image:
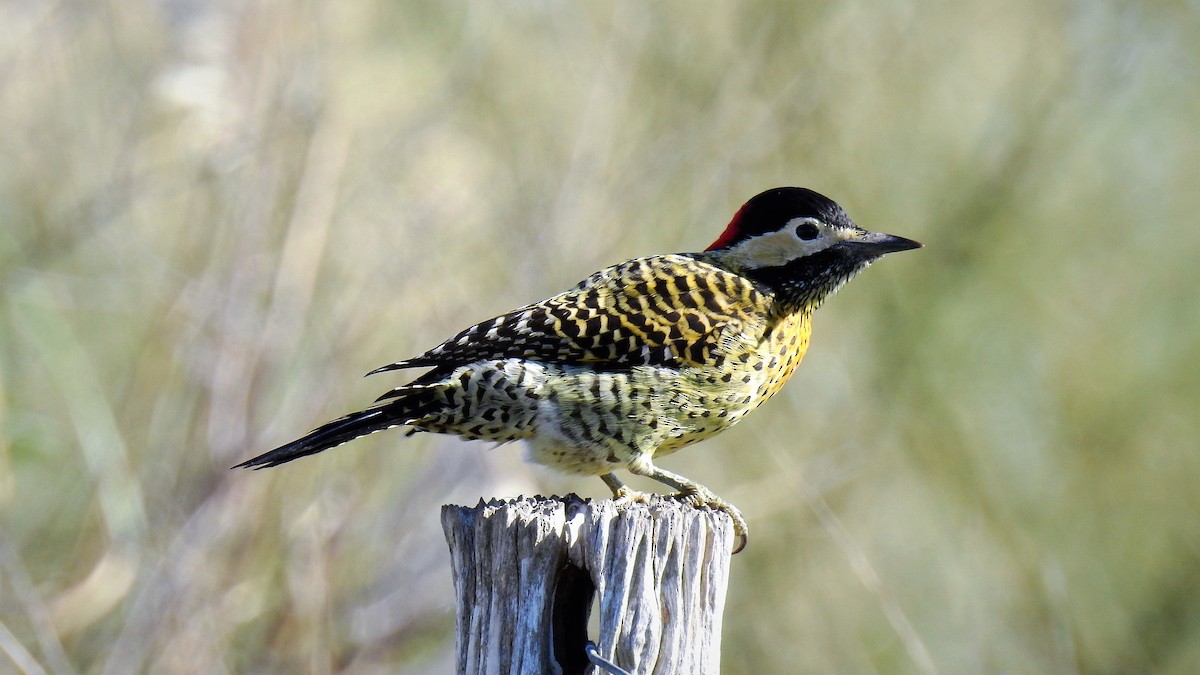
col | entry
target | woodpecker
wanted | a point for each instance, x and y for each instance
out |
(638, 360)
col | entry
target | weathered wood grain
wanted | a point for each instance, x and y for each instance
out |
(525, 572)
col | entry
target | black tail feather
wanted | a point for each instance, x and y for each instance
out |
(329, 435)
(399, 365)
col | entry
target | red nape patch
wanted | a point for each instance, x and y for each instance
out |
(732, 230)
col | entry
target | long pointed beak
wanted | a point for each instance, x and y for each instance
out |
(879, 243)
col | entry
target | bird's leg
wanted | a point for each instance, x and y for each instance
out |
(622, 493)
(692, 493)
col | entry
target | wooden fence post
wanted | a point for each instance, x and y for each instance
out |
(526, 570)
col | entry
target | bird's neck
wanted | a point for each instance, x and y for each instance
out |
(798, 287)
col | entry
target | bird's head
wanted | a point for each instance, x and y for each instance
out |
(800, 244)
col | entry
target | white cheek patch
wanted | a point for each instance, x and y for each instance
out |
(783, 246)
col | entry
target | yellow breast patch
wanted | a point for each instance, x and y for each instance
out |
(782, 351)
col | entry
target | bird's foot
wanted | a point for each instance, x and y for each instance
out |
(627, 495)
(701, 497)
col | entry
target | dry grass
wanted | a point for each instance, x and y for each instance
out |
(216, 215)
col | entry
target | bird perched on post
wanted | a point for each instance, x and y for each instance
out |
(639, 359)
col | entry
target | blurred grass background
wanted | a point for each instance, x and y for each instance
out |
(216, 215)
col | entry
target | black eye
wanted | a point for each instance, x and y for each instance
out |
(807, 230)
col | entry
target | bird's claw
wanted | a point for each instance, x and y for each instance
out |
(696, 497)
(742, 539)
(700, 497)
(627, 495)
